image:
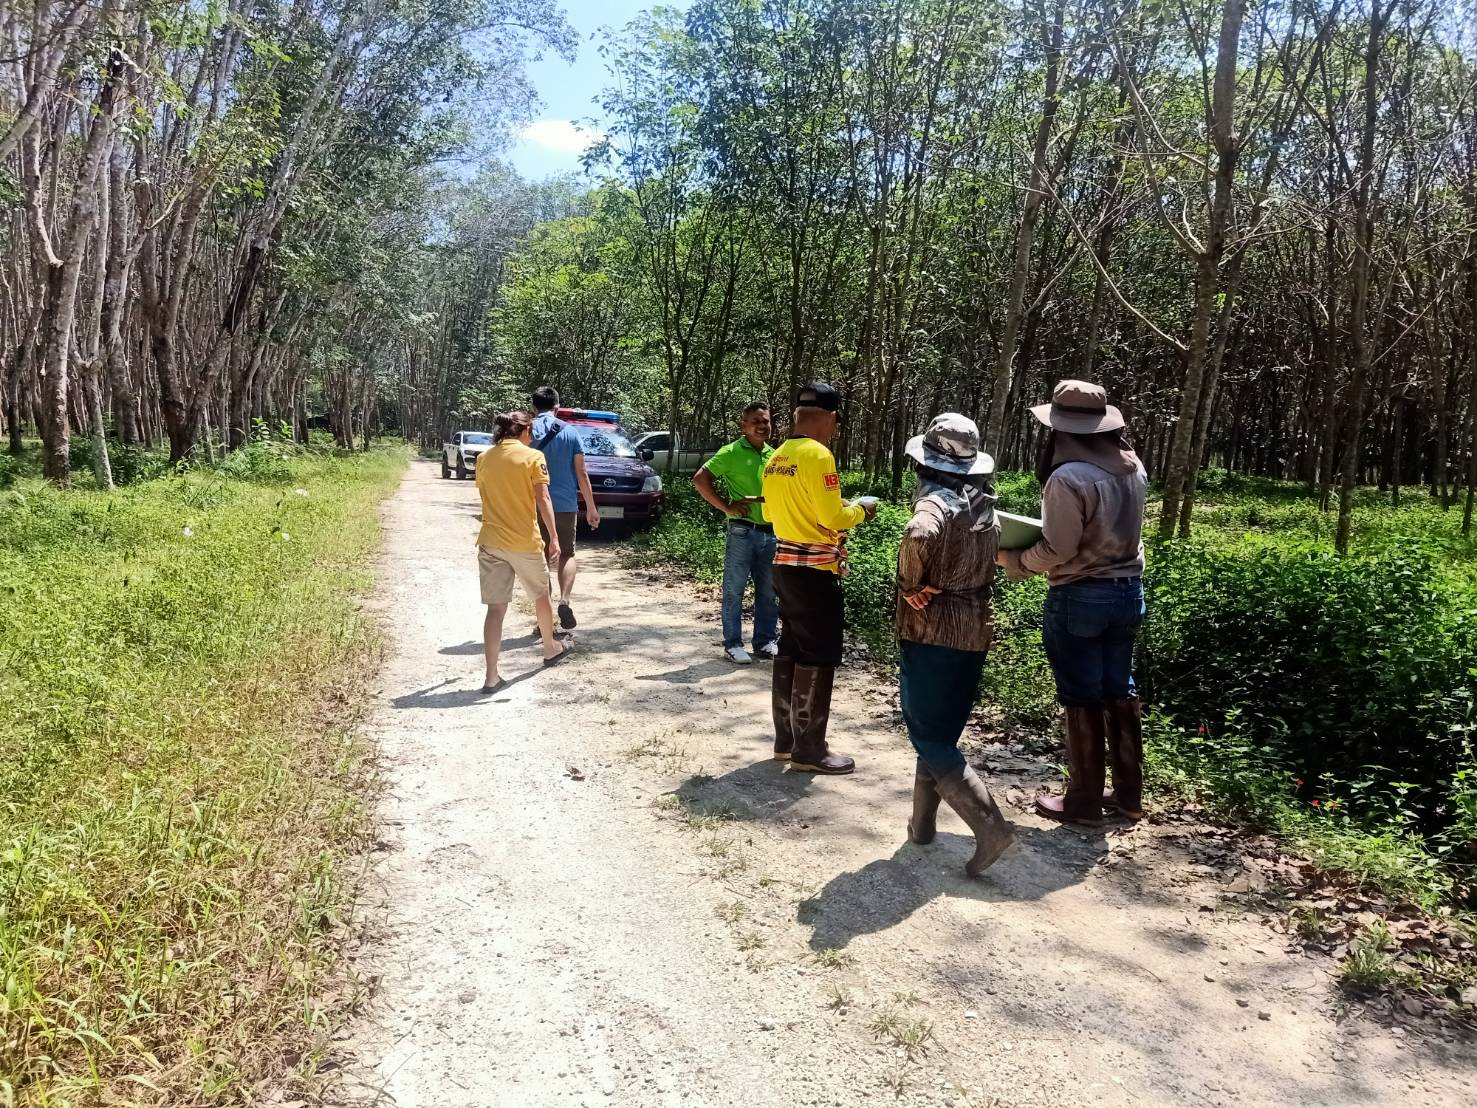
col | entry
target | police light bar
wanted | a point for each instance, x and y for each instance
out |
(590, 414)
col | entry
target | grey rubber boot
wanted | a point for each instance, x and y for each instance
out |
(924, 824)
(967, 795)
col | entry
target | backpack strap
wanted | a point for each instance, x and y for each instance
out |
(555, 427)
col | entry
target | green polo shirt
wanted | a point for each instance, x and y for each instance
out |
(739, 470)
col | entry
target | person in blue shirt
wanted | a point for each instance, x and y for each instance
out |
(564, 453)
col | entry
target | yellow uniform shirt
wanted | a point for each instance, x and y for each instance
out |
(508, 476)
(802, 495)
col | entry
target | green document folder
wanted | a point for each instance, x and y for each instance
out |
(1017, 532)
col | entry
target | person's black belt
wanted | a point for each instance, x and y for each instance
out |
(767, 527)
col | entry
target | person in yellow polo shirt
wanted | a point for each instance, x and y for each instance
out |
(802, 499)
(513, 481)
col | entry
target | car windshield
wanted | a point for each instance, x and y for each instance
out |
(476, 438)
(605, 442)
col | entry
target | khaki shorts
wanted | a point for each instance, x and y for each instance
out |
(565, 525)
(497, 569)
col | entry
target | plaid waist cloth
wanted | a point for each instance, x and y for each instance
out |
(812, 554)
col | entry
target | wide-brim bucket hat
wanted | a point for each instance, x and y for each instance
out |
(1079, 408)
(951, 444)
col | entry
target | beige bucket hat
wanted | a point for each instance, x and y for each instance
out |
(1079, 408)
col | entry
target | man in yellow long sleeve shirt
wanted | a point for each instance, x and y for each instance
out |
(802, 499)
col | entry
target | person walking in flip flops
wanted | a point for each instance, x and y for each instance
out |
(513, 482)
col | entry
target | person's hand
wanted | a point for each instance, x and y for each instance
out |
(551, 552)
(739, 509)
(1002, 559)
(920, 599)
(592, 517)
(869, 506)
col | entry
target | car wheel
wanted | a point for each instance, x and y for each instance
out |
(445, 469)
(461, 470)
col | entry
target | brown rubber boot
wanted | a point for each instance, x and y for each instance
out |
(1086, 751)
(1124, 727)
(924, 824)
(810, 712)
(779, 699)
(967, 795)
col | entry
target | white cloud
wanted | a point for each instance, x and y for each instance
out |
(563, 136)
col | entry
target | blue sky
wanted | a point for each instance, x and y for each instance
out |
(551, 144)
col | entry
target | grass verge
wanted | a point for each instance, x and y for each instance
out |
(180, 775)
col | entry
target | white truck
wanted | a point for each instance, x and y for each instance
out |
(459, 456)
(655, 445)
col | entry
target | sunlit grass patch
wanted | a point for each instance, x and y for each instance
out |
(181, 668)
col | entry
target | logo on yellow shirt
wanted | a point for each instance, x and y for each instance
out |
(833, 481)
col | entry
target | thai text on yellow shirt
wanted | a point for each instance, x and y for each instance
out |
(802, 495)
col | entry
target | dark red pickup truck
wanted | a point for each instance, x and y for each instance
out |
(626, 488)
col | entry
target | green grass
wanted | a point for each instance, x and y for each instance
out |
(180, 776)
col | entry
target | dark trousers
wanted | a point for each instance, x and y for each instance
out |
(812, 615)
(1088, 629)
(939, 686)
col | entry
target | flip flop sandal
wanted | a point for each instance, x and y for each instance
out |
(557, 658)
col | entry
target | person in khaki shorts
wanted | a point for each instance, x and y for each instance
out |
(513, 482)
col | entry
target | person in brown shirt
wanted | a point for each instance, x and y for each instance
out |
(946, 568)
(1092, 553)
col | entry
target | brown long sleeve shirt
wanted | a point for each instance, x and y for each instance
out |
(959, 562)
(1091, 526)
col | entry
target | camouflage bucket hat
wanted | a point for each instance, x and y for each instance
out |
(952, 445)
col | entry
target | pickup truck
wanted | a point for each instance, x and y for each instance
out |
(660, 443)
(459, 456)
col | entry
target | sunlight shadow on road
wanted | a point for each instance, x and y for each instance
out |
(465, 649)
(690, 675)
(762, 790)
(887, 891)
(457, 698)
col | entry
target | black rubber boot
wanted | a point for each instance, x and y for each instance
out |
(924, 824)
(810, 713)
(967, 795)
(779, 698)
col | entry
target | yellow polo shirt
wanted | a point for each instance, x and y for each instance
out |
(508, 477)
(802, 495)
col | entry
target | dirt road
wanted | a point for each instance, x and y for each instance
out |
(597, 888)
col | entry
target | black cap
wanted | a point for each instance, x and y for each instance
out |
(818, 394)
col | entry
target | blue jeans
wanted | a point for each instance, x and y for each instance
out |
(1088, 630)
(749, 554)
(939, 686)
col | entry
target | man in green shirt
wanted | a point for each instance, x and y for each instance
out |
(732, 480)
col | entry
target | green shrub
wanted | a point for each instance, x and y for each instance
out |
(264, 460)
(1339, 670)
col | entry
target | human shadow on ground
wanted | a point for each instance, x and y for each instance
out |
(464, 649)
(690, 675)
(761, 790)
(886, 891)
(439, 696)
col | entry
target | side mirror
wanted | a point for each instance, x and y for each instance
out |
(647, 454)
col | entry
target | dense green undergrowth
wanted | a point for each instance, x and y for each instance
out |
(178, 770)
(1327, 699)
